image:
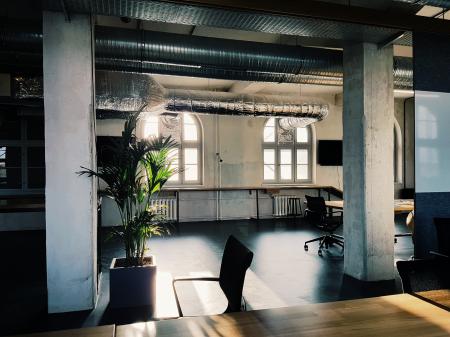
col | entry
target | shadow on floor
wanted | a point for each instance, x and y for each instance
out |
(282, 273)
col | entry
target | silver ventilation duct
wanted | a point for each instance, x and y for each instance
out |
(290, 123)
(250, 20)
(175, 54)
(121, 92)
(127, 92)
(434, 3)
(196, 51)
(224, 103)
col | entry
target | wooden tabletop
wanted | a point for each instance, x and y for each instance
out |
(395, 316)
(437, 297)
(400, 205)
(98, 331)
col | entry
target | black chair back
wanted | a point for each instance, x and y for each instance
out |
(316, 204)
(424, 275)
(316, 210)
(443, 235)
(236, 260)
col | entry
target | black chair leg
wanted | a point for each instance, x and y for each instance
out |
(313, 240)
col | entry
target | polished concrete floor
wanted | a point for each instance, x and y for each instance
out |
(281, 274)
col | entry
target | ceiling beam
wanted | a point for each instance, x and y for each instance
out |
(331, 11)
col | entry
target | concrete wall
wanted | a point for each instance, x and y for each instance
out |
(70, 200)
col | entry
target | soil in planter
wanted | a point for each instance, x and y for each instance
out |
(123, 263)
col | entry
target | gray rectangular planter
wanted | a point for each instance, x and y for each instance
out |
(132, 286)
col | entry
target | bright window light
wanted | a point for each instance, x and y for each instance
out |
(269, 131)
(151, 127)
(174, 163)
(269, 164)
(191, 164)
(302, 135)
(190, 128)
(285, 164)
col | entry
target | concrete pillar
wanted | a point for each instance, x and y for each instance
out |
(368, 123)
(71, 201)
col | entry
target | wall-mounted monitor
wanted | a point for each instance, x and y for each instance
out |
(329, 153)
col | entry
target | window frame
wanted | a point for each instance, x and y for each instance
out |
(293, 147)
(24, 144)
(186, 144)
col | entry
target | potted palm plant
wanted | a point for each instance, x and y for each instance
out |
(136, 174)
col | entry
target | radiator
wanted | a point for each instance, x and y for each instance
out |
(166, 207)
(285, 205)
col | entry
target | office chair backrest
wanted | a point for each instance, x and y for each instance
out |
(443, 235)
(315, 210)
(423, 275)
(236, 260)
(316, 204)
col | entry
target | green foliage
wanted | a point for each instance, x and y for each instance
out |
(136, 174)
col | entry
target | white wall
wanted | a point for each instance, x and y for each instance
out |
(239, 142)
(432, 142)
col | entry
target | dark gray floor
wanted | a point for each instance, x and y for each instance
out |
(282, 273)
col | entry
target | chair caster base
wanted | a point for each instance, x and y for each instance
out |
(305, 247)
(320, 253)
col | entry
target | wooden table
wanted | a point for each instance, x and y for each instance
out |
(400, 205)
(440, 298)
(394, 316)
(98, 331)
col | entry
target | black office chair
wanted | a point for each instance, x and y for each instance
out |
(236, 260)
(424, 275)
(318, 215)
(443, 237)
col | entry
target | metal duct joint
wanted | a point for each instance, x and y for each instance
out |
(127, 92)
(434, 3)
(290, 123)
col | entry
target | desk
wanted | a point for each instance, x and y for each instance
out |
(397, 315)
(98, 331)
(166, 306)
(437, 297)
(400, 205)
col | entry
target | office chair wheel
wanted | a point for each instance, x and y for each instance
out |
(320, 253)
(305, 247)
(395, 240)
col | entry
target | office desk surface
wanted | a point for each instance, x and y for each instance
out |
(437, 297)
(98, 331)
(395, 316)
(400, 205)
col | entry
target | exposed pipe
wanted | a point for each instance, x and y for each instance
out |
(434, 3)
(175, 54)
(129, 92)
(196, 51)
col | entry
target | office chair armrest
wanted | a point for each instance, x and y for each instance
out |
(330, 213)
(439, 255)
(188, 278)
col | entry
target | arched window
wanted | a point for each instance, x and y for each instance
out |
(185, 129)
(287, 154)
